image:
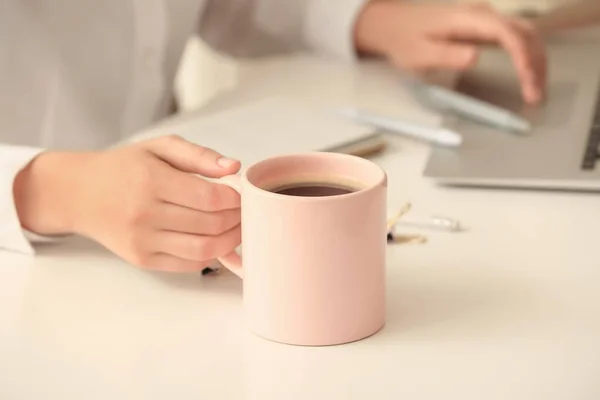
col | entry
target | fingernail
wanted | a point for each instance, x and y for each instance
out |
(226, 162)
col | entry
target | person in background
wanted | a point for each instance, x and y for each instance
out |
(78, 76)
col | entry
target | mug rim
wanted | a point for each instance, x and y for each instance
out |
(381, 180)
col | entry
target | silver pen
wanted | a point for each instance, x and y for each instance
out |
(470, 107)
(438, 136)
(435, 222)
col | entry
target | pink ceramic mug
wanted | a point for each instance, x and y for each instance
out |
(313, 267)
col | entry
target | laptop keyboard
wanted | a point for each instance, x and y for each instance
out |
(592, 151)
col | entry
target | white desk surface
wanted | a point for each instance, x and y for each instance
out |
(508, 310)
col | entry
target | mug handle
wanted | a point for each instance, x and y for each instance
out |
(232, 261)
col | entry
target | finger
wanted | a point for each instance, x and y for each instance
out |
(516, 45)
(190, 157)
(197, 247)
(169, 263)
(186, 220)
(194, 192)
(520, 50)
(491, 26)
(538, 49)
(443, 55)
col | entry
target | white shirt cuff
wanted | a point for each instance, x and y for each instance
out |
(12, 236)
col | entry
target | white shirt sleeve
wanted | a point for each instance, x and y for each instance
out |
(329, 27)
(12, 236)
(250, 28)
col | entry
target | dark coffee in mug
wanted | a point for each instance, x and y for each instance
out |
(314, 189)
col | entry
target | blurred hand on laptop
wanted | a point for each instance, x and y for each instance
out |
(424, 37)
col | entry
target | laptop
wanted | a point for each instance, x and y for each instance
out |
(561, 152)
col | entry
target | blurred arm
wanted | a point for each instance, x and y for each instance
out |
(250, 28)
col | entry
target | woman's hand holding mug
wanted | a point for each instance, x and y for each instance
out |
(313, 226)
(141, 201)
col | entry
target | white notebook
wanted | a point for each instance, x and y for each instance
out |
(267, 128)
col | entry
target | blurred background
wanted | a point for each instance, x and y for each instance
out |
(203, 73)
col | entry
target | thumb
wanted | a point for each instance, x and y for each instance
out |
(446, 55)
(189, 157)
